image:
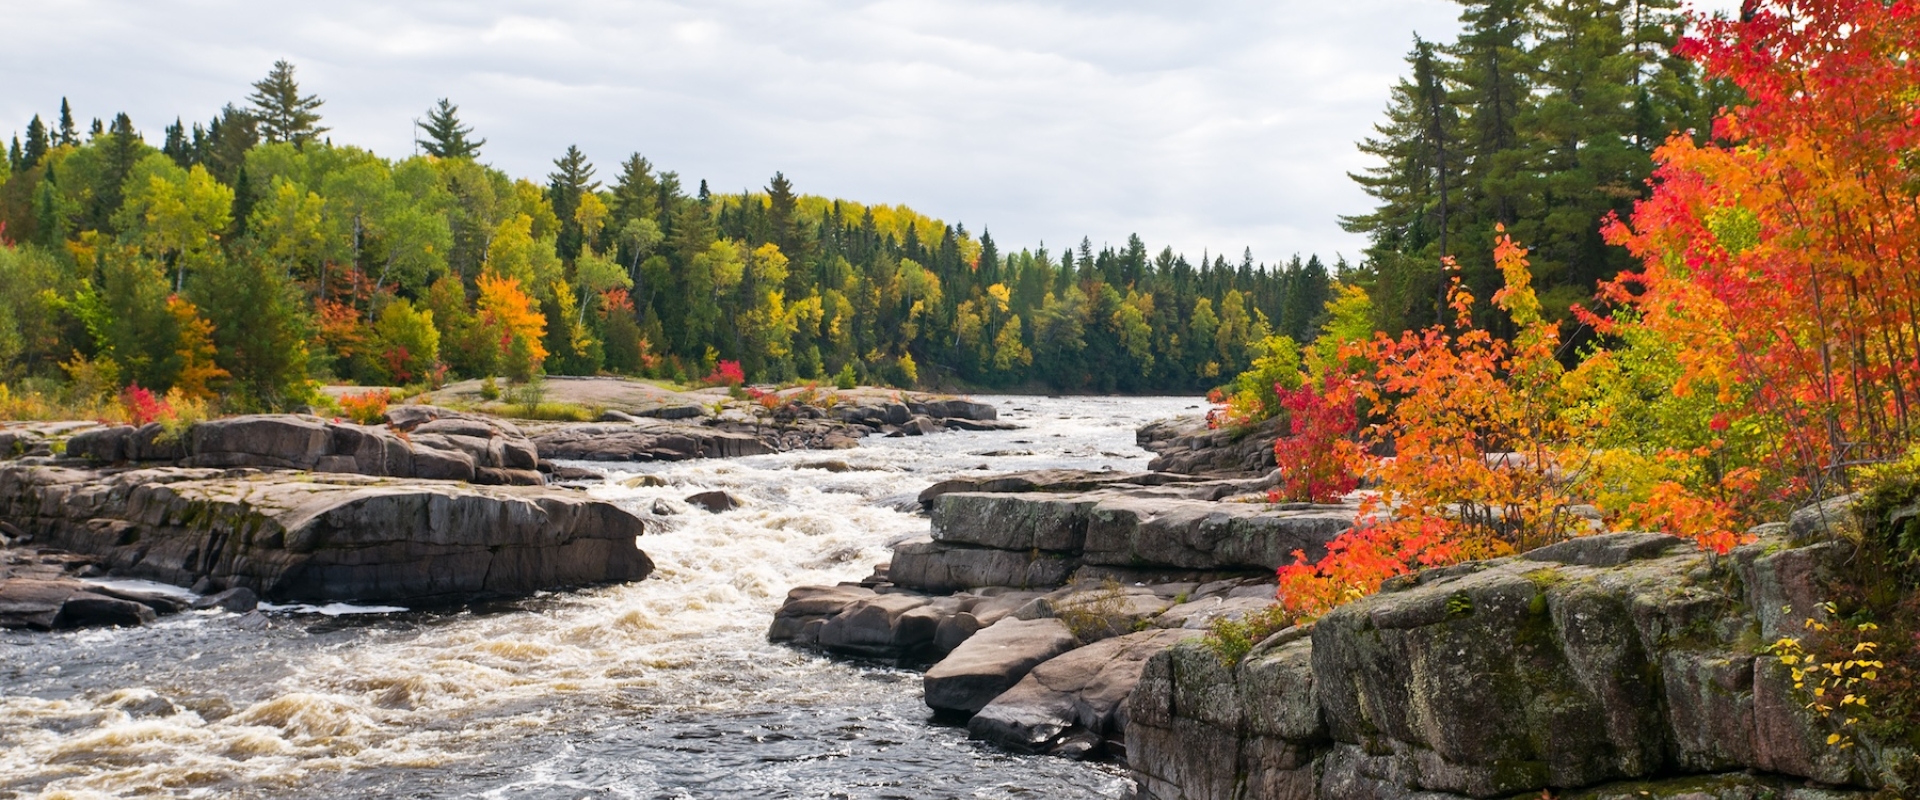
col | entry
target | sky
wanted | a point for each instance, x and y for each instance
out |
(1204, 125)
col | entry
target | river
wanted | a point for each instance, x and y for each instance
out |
(665, 688)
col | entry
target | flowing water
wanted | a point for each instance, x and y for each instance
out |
(665, 688)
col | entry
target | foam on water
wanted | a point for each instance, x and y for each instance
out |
(661, 688)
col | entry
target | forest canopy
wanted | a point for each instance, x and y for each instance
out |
(251, 255)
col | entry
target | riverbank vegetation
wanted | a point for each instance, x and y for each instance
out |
(1759, 353)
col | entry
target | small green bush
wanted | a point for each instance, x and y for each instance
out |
(1232, 639)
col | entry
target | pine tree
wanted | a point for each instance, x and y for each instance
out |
(37, 144)
(15, 158)
(284, 115)
(67, 135)
(446, 137)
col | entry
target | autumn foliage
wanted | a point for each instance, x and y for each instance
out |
(1782, 261)
(1768, 343)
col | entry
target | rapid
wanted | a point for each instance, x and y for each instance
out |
(664, 688)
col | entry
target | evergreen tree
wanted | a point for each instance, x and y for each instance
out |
(229, 136)
(636, 194)
(120, 149)
(283, 114)
(37, 144)
(176, 146)
(572, 178)
(67, 135)
(446, 137)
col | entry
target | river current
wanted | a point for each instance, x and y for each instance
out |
(664, 688)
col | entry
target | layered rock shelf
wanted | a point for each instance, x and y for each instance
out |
(1133, 531)
(319, 537)
(1039, 597)
(1615, 666)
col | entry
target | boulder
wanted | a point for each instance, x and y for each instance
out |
(993, 661)
(883, 626)
(959, 409)
(1081, 691)
(714, 501)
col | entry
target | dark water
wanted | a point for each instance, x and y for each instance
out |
(664, 688)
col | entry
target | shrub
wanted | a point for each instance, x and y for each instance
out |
(367, 408)
(725, 373)
(141, 407)
(846, 379)
(1232, 639)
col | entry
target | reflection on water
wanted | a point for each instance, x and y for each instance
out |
(659, 689)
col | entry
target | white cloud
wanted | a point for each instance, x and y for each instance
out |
(1208, 124)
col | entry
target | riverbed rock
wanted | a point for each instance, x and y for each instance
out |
(1081, 691)
(1621, 661)
(714, 501)
(1186, 445)
(238, 600)
(421, 442)
(896, 626)
(929, 566)
(311, 537)
(647, 440)
(993, 661)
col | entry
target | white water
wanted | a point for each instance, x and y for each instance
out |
(661, 688)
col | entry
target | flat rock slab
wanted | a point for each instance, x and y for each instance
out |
(1081, 691)
(643, 440)
(308, 537)
(993, 661)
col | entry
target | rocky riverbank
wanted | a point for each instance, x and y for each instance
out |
(1038, 597)
(1621, 665)
(1062, 613)
(432, 507)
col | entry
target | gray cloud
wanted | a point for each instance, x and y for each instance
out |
(1208, 124)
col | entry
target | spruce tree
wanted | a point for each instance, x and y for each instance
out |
(120, 149)
(284, 115)
(636, 194)
(572, 178)
(229, 136)
(446, 137)
(176, 146)
(15, 158)
(37, 144)
(67, 134)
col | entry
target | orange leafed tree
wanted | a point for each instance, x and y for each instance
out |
(508, 313)
(1482, 452)
(196, 351)
(1782, 260)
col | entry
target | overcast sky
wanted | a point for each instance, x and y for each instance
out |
(1201, 124)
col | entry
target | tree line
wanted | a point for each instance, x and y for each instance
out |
(250, 256)
(1542, 116)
